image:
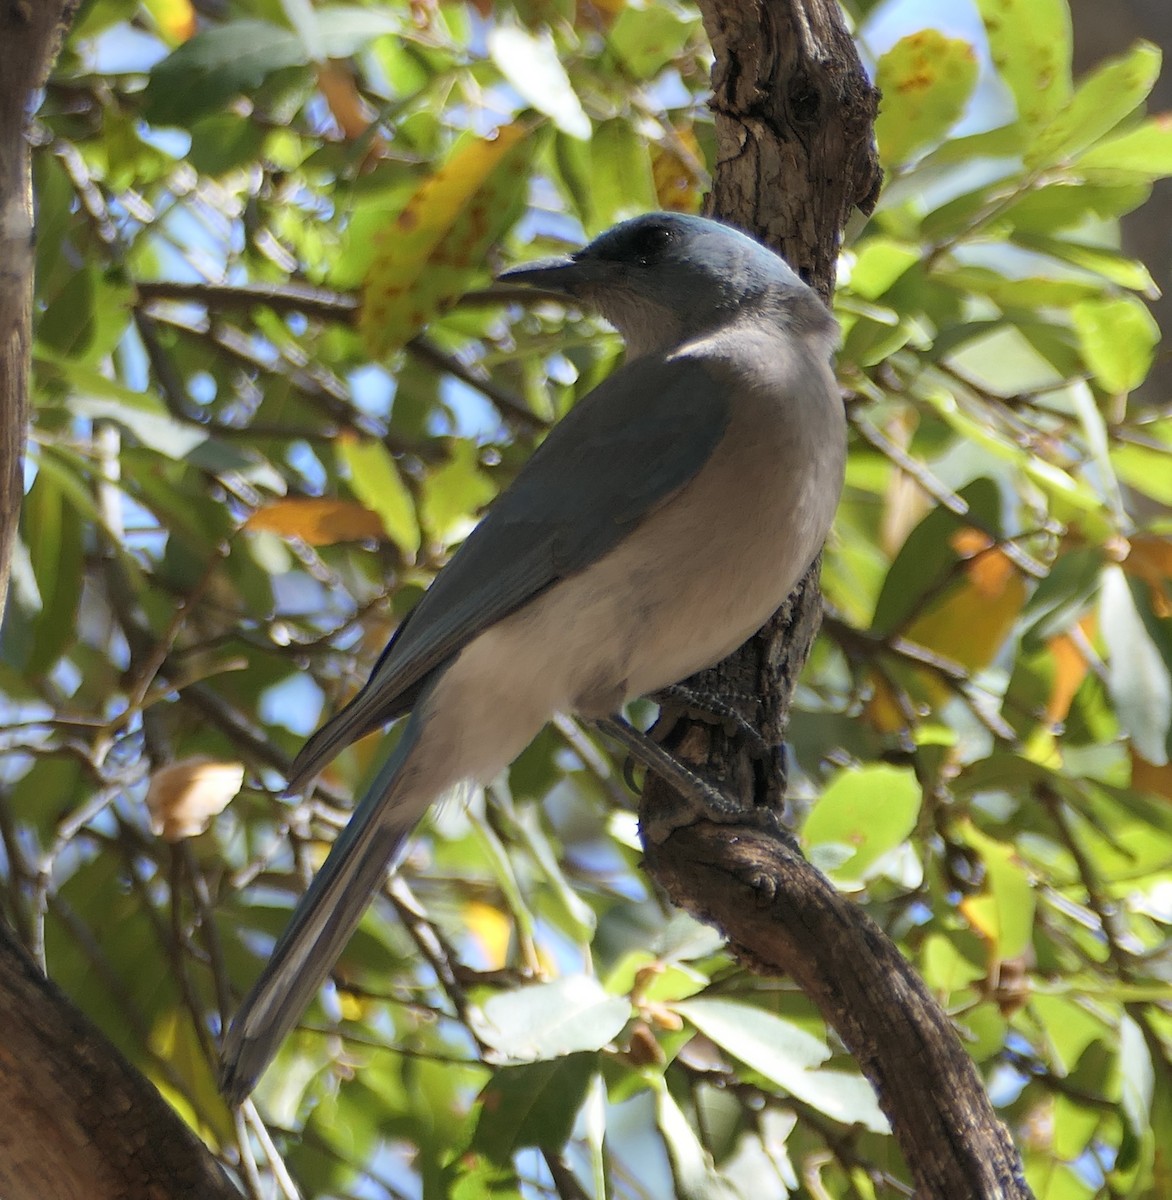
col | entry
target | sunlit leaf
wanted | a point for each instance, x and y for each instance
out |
(786, 1055)
(550, 1020)
(648, 37)
(1102, 100)
(692, 1168)
(926, 79)
(1145, 151)
(1004, 914)
(376, 481)
(868, 812)
(530, 63)
(1118, 338)
(1030, 42)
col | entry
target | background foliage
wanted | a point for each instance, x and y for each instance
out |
(239, 480)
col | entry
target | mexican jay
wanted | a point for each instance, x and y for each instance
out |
(659, 525)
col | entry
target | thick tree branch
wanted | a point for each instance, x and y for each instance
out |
(84, 1123)
(794, 120)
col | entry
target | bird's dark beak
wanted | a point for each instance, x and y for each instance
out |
(565, 276)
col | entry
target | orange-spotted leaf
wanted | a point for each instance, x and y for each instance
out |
(424, 259)
(926, 79)
(318, 522)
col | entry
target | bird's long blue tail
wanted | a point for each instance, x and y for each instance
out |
(322, 923)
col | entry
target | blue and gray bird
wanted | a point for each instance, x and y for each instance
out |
(658, 526)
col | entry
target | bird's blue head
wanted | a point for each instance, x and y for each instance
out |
(665, 277)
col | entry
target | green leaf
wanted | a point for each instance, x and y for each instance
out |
(217, 65)
(340, 30)
(1126, 272)
(1145, 469)
(156, 430)
(787, 1056)
(1112, 91)
(531, 65)
(1118, 337)
(1030, 42)
(879, 262)
(53, 535)
(649, 37)
(945, 968)
(865, 813)
(1145, 151)
(67, 324)
(454, 493)
(550, 1020)
(375, 480)
(621, 182)
(926, 79)
(1137, 676)
(532, 1105)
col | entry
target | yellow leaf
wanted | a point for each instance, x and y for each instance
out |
(1004, 912)
(174, 19)
(1070, 669)
(318, 522)
(424, 258)
(970, 623)
(1145, 777)
(1150, 559)
(492, 931)
(184, 797)
(676, 170)
(353, 115)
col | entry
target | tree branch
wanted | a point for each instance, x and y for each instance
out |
(795, 157)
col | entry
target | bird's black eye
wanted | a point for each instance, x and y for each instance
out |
(650, 243)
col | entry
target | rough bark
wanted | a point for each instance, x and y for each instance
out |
(78, 1120)
(794, 117)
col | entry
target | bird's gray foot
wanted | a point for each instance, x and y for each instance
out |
(710, 706)
(701, 798)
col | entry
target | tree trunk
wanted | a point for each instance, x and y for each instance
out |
(78, 1120)
(794, 120)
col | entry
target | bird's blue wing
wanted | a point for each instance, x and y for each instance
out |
(619, 453)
